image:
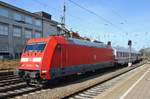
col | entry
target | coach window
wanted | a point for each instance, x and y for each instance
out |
(118, 54)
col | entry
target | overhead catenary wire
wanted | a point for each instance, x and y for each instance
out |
(116, 13)
(89, 11)
(44, 5)
(97, 15)
(108, 22)
(56, 9)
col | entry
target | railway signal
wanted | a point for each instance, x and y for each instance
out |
(130, 44)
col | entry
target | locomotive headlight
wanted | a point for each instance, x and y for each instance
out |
(44, 71)
(24, 59)
(37, 59)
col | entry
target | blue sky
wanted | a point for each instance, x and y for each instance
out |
(130, 18)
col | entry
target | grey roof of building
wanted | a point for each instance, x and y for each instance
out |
(18, 9)
(25, 11)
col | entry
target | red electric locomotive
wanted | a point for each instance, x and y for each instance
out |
(48, 58)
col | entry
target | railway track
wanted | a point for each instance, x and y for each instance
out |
(18, 91)
(81, 89)
(5, 72)
(11, 85)
(92, 91)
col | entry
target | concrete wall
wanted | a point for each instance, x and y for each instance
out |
(12, 45)
(49, 29)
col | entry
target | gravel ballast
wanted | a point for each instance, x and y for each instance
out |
(63, 91)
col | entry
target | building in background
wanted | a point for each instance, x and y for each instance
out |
(18, 25)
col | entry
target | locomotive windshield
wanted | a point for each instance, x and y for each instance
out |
(36, 47)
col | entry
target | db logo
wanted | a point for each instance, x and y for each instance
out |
(94, 57)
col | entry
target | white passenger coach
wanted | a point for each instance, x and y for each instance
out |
(122, 55)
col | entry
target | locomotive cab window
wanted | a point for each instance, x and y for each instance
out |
(35, 47)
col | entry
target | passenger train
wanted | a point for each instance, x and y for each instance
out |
(44, 59)
(122, 55)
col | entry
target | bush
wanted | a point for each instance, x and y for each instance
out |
(9, 64)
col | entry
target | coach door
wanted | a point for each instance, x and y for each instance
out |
(63, 60)
(63, 56)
